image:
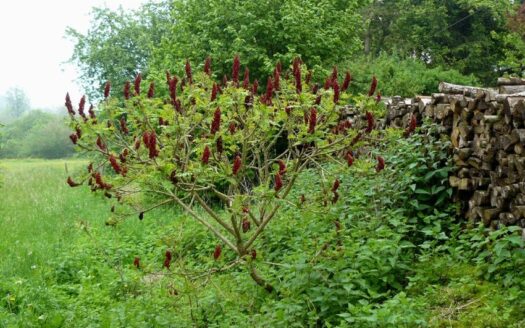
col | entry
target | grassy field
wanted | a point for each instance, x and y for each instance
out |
(61, 265)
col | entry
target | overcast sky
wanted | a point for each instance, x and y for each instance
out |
(33, 47)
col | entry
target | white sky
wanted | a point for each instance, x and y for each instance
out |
(33, 48)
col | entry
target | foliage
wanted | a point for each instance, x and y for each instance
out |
(36, 134)
(242, 148)
(118, 44)
(405, 77)
(464, 35)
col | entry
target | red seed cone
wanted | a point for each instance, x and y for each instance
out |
(114, 164)
(100, 144)
(72, 183)
(349, 159)
(335, 85)
(69, 105)
(236, 165)
(136, 262)
(216, 123)
(335, 186)
(107, 89)
(136, 84)
(123, 125)
(151, 90)
(235, 69)
(81, 105)
(245, 225)
(214, 91)
(282, 167)
(206, 155)
(217, 252)
(370, 122)
(127, 87)
(187, 68)
(219, 145)
(346, 82)
(411, 126)
(246, 80)
(74, 138)
(373, 86)
(278, 182)
(207, 66)
(167, 259)
(380, 163)
(312, 120)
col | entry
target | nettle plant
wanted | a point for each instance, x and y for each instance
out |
(227, 155)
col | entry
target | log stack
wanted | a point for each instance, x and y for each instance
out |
(487, 132)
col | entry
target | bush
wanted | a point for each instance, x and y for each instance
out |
(400, 76)
(36, 134)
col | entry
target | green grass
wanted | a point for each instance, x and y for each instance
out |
(40, 213)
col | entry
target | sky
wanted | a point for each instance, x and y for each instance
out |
(34, 48)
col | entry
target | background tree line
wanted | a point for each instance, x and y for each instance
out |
(409, 44)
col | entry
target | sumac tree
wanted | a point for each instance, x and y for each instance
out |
(222, 152)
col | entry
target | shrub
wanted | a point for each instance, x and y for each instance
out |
(224, 142)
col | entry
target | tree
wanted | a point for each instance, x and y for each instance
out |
(118, 44)
(17, 102)
(466, 35)
(163, 35)
(228, 156)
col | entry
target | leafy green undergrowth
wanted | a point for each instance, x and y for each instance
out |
(390, 253)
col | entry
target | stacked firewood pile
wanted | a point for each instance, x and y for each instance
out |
(487, 132)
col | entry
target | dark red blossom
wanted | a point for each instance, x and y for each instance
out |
(297, 76)
(136, 263)
(206, 155)
(369, 122)
(357, 138)
(81, 105)
(335, 198)
(380, 163)
(236, 165)
(79, 132)
(100, 182)
(214, 91)
(69, 105)
(217, 252)
(207, 66)
(173, 88)
(235, 69)
(152, 146)
(219, 145)
(267, 98)
(123, 125)
(107, 89)
(276, 79)
(315, 88)
(278, 182)
(411, 126)
(334, 74)
(72, 183)
(282, 167)
(167, 259)
(145, 138)
(91, 112)
(346, 82)
(318, 100)
(349, 158)
(114, 164)
(246, 80)
(254, 254)
(151, 90)
(189, 76)
(328, 83)
(232, 127)
(100, 144)
(216, 123)
(74, 138)
(373, 86)
(335, 85)
(312, 120)
(245, 225)
(127, 87)
(136, 84)
(336, 185)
